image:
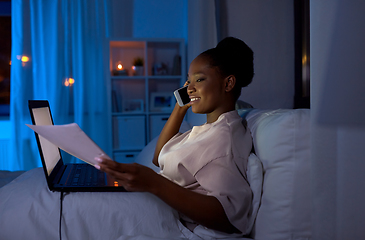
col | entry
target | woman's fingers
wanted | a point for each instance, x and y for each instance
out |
(111, 167)
(133, 177)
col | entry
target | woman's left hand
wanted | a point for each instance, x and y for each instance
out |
(133, 177)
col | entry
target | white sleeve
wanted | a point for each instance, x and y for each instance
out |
(222, 179)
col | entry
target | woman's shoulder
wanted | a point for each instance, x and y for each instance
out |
(229, 121)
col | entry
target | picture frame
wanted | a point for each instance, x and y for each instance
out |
(160, 69)
(162, 101)
(133, 105)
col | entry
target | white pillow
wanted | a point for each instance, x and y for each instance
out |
(254, 178)
(282, 143)
(146, 155)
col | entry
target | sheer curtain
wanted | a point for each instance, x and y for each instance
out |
(337, 119)
(52, 42)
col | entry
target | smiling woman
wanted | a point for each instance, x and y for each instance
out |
(199, 172)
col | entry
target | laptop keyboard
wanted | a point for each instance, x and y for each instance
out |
(86, 175)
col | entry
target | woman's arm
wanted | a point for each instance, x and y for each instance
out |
(203, 209)
(171, 128)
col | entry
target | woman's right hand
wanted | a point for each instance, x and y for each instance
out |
(133, 177)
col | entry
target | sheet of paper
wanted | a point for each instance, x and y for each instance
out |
(71, 139)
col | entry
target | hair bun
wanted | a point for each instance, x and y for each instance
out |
(230, 43)
(232, 56)
(239, 58)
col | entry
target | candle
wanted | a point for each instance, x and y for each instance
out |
(120, 71)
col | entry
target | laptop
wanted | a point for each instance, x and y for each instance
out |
(61, 177)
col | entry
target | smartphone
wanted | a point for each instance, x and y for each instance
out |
(182, 96)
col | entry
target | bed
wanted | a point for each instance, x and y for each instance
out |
(278, 176)
(8, 176)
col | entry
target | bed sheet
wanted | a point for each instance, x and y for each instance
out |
(8, 176)
(28, 210)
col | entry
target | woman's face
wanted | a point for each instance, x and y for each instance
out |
(206, 89)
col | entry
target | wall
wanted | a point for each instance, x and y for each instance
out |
(268, 28)
(149, 19)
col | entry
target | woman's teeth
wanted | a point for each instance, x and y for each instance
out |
(194, 99)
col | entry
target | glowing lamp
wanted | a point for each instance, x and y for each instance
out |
(69, 82)
(25, 59)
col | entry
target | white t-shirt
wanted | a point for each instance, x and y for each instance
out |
(212, 159)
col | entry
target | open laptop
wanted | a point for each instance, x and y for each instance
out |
(66, 177)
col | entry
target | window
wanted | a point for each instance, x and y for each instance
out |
(5, 52)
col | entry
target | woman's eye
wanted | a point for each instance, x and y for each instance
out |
(199, 79)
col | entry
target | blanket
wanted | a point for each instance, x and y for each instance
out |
(8, 176)
(28, 210)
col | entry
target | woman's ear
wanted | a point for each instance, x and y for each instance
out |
(230, 82)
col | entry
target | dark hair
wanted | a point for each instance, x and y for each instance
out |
(232, 56)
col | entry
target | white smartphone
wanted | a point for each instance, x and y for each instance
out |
(182, 96)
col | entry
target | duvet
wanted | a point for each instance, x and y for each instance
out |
(28, 210)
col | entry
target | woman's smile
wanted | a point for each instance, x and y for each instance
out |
(194, 99)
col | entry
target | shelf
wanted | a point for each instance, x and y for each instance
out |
(165, 77)
(116, 114)
(140, 105)
(115, 78)
(127, 44)
(117, 150)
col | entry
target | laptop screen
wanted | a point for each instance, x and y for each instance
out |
(51, 153)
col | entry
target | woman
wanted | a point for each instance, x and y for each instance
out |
(203, 171)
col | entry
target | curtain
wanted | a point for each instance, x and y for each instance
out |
(53, 41)
(337, 119)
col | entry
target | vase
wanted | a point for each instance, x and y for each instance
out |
(138, 70)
